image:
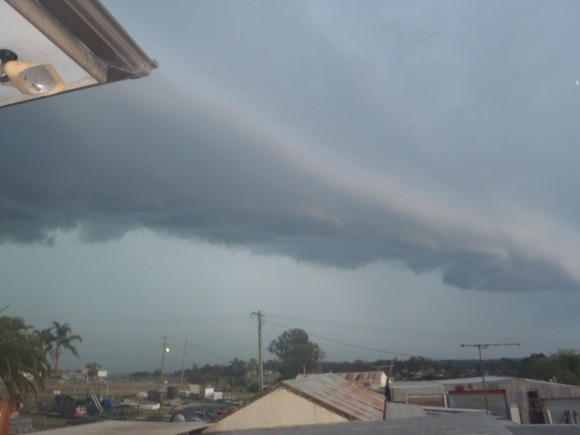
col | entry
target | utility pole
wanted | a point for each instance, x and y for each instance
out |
(485, 346)
(165, 337)
(260, 360)
(388, 396)
(183, 363)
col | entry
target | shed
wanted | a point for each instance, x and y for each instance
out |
(317, 399)
(518, 399)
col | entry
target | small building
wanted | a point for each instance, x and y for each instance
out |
(315, 399)
(203, 391)
(517, 399)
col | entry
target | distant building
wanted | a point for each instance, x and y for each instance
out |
(517, 399)
(204, 391)
(315, 399)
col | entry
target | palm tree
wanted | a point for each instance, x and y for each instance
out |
(23, 362)
(47, 339)
(63, 340)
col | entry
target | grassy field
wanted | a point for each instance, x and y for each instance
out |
(78, 389)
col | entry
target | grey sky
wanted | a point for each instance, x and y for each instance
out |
(404, 165)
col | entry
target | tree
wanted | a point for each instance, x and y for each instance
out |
(296, 353)
(538, 366)
(567, 367)
(23, 362)
(63, 341)
(253, 387)
(236, 371)
(47, 339)
(93, 369)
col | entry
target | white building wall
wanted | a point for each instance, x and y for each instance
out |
(558, 407)
(280, 408)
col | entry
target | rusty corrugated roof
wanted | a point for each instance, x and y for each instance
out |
(339, 395)
(377, 378)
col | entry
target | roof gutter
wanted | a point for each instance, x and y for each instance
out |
(90, 35)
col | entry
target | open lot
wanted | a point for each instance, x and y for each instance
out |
(43, 413)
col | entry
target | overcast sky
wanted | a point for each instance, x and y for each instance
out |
(394, 177)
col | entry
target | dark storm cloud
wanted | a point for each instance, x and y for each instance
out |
(435, 173)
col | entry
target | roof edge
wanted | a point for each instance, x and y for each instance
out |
(87, 32)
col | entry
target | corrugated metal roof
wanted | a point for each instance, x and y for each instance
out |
(116, 427)
(411, 384)
(401, 390)
(339, 395)
(378, 379)
(545, 389)
(474, 380)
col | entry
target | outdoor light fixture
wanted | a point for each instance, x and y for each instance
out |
(39, 80)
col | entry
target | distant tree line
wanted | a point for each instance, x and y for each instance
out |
(239, 375)
(562, 367)
(297, 354)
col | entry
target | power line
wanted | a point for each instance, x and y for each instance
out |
(372, 349)
(418, 331)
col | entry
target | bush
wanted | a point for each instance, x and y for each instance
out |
(254, 387)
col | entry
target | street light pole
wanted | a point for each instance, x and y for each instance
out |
(485, 346)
